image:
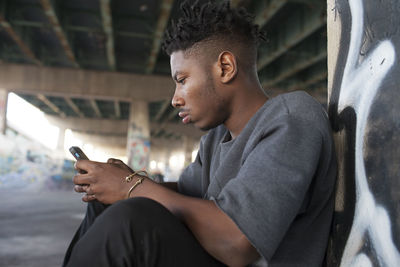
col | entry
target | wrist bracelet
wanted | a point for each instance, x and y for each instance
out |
(129, 178)
(138, 182)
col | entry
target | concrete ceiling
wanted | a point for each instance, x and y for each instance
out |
(87, 59)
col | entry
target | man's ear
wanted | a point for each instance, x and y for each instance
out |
(228, 66)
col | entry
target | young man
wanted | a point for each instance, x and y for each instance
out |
(261, 188)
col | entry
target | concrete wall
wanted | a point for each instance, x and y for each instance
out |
(27, 165)
(364, 90)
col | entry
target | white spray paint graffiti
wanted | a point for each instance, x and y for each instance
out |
(360, 84)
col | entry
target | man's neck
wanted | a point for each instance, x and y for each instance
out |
(244, 107)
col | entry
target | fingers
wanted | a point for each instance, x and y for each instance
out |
(84, 189)
(84, 165)
(79, 188)
(86, 171)
(88, 198)
(115, 161)
(82, 179)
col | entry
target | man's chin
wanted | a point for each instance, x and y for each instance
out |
(204, 127)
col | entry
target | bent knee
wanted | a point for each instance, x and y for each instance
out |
(136, 209)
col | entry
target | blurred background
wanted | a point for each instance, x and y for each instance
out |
(91, 73)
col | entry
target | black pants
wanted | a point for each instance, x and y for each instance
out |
(134, 232)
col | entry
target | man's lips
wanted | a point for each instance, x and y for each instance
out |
(185, 116)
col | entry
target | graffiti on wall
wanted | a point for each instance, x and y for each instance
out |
(362, 109)
(26, 165)
(138, 147)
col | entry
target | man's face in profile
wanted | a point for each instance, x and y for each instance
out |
(195, 92)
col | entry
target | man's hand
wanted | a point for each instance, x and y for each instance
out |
(215, 231)
(102, 181)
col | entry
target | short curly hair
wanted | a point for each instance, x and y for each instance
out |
(207, 21)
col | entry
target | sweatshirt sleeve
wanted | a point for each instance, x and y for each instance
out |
(268, 191)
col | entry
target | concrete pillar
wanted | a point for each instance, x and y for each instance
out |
(61, 138)
(167, 169)
(188, 145)
(138, 144)
(3, 110)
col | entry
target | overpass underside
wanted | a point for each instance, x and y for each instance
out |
(86, 63)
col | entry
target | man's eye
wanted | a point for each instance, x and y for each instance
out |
(182, 81)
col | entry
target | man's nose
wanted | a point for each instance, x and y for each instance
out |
(177, 100)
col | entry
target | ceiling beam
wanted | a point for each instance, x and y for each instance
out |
(52, 17)
(35, 24)
(134, 35)
(299, 27)
(81, 83)
(20, 43)
(50, 104)
(119, 127)
(162, 22)
(268, 11)
(236, 3)
(168, 135)
(158, 133)
(74, 107)
(95, 107)
(91, 125)
(312, 79)
(300, 63)
(108, 30)
(164, 107)
(117, 109)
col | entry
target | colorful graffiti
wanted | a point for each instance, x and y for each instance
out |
(26, 165)
(367, 217)
(138, 147)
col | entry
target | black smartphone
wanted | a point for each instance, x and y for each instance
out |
(77, 153)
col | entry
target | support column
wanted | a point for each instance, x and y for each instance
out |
(61, 138)
(167, 168)
(138, 145)
(3, 110)
(188, 145)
